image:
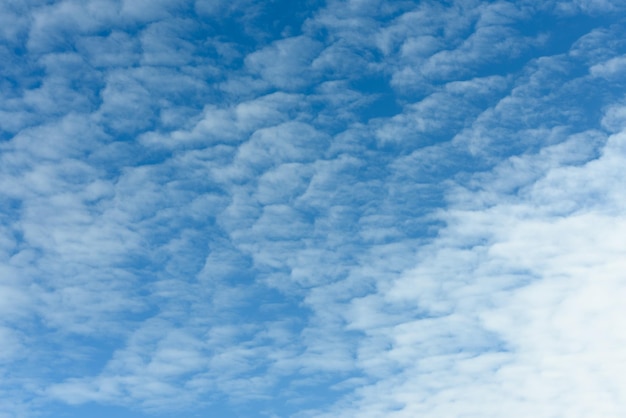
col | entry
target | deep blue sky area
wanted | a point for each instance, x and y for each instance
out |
(312, 209)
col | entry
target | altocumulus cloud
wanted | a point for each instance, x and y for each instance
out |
(312, 209)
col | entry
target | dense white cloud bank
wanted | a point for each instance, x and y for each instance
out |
(516, 303)
(308, 209)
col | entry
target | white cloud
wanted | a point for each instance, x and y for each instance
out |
(144, 10)
(13, 21)
(592, 7)
(611, 68)
(285, 63)
(600, 44)
(615, 118)
(12, 345)
(230, 125)
(219, 8)
(162, 43)
(444, 112)
(193, 217)
(514, 301)
(115, 49)
(55, 25)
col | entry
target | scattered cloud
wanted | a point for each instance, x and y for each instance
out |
(312, 209)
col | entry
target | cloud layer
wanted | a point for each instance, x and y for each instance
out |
(308, 209)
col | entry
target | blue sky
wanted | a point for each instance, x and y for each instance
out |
(312, 209)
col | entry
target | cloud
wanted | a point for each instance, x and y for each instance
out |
(512, 301)
(285, 63)
(443, 112)
(115, 49)
(610, 68)
(162, 43)
(142, 10)
(14, 21)
(358, 208)
(592, 7)
(55, 25)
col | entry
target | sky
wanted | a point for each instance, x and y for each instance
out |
(312, 209)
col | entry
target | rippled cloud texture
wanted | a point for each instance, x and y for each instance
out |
(352, 208)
